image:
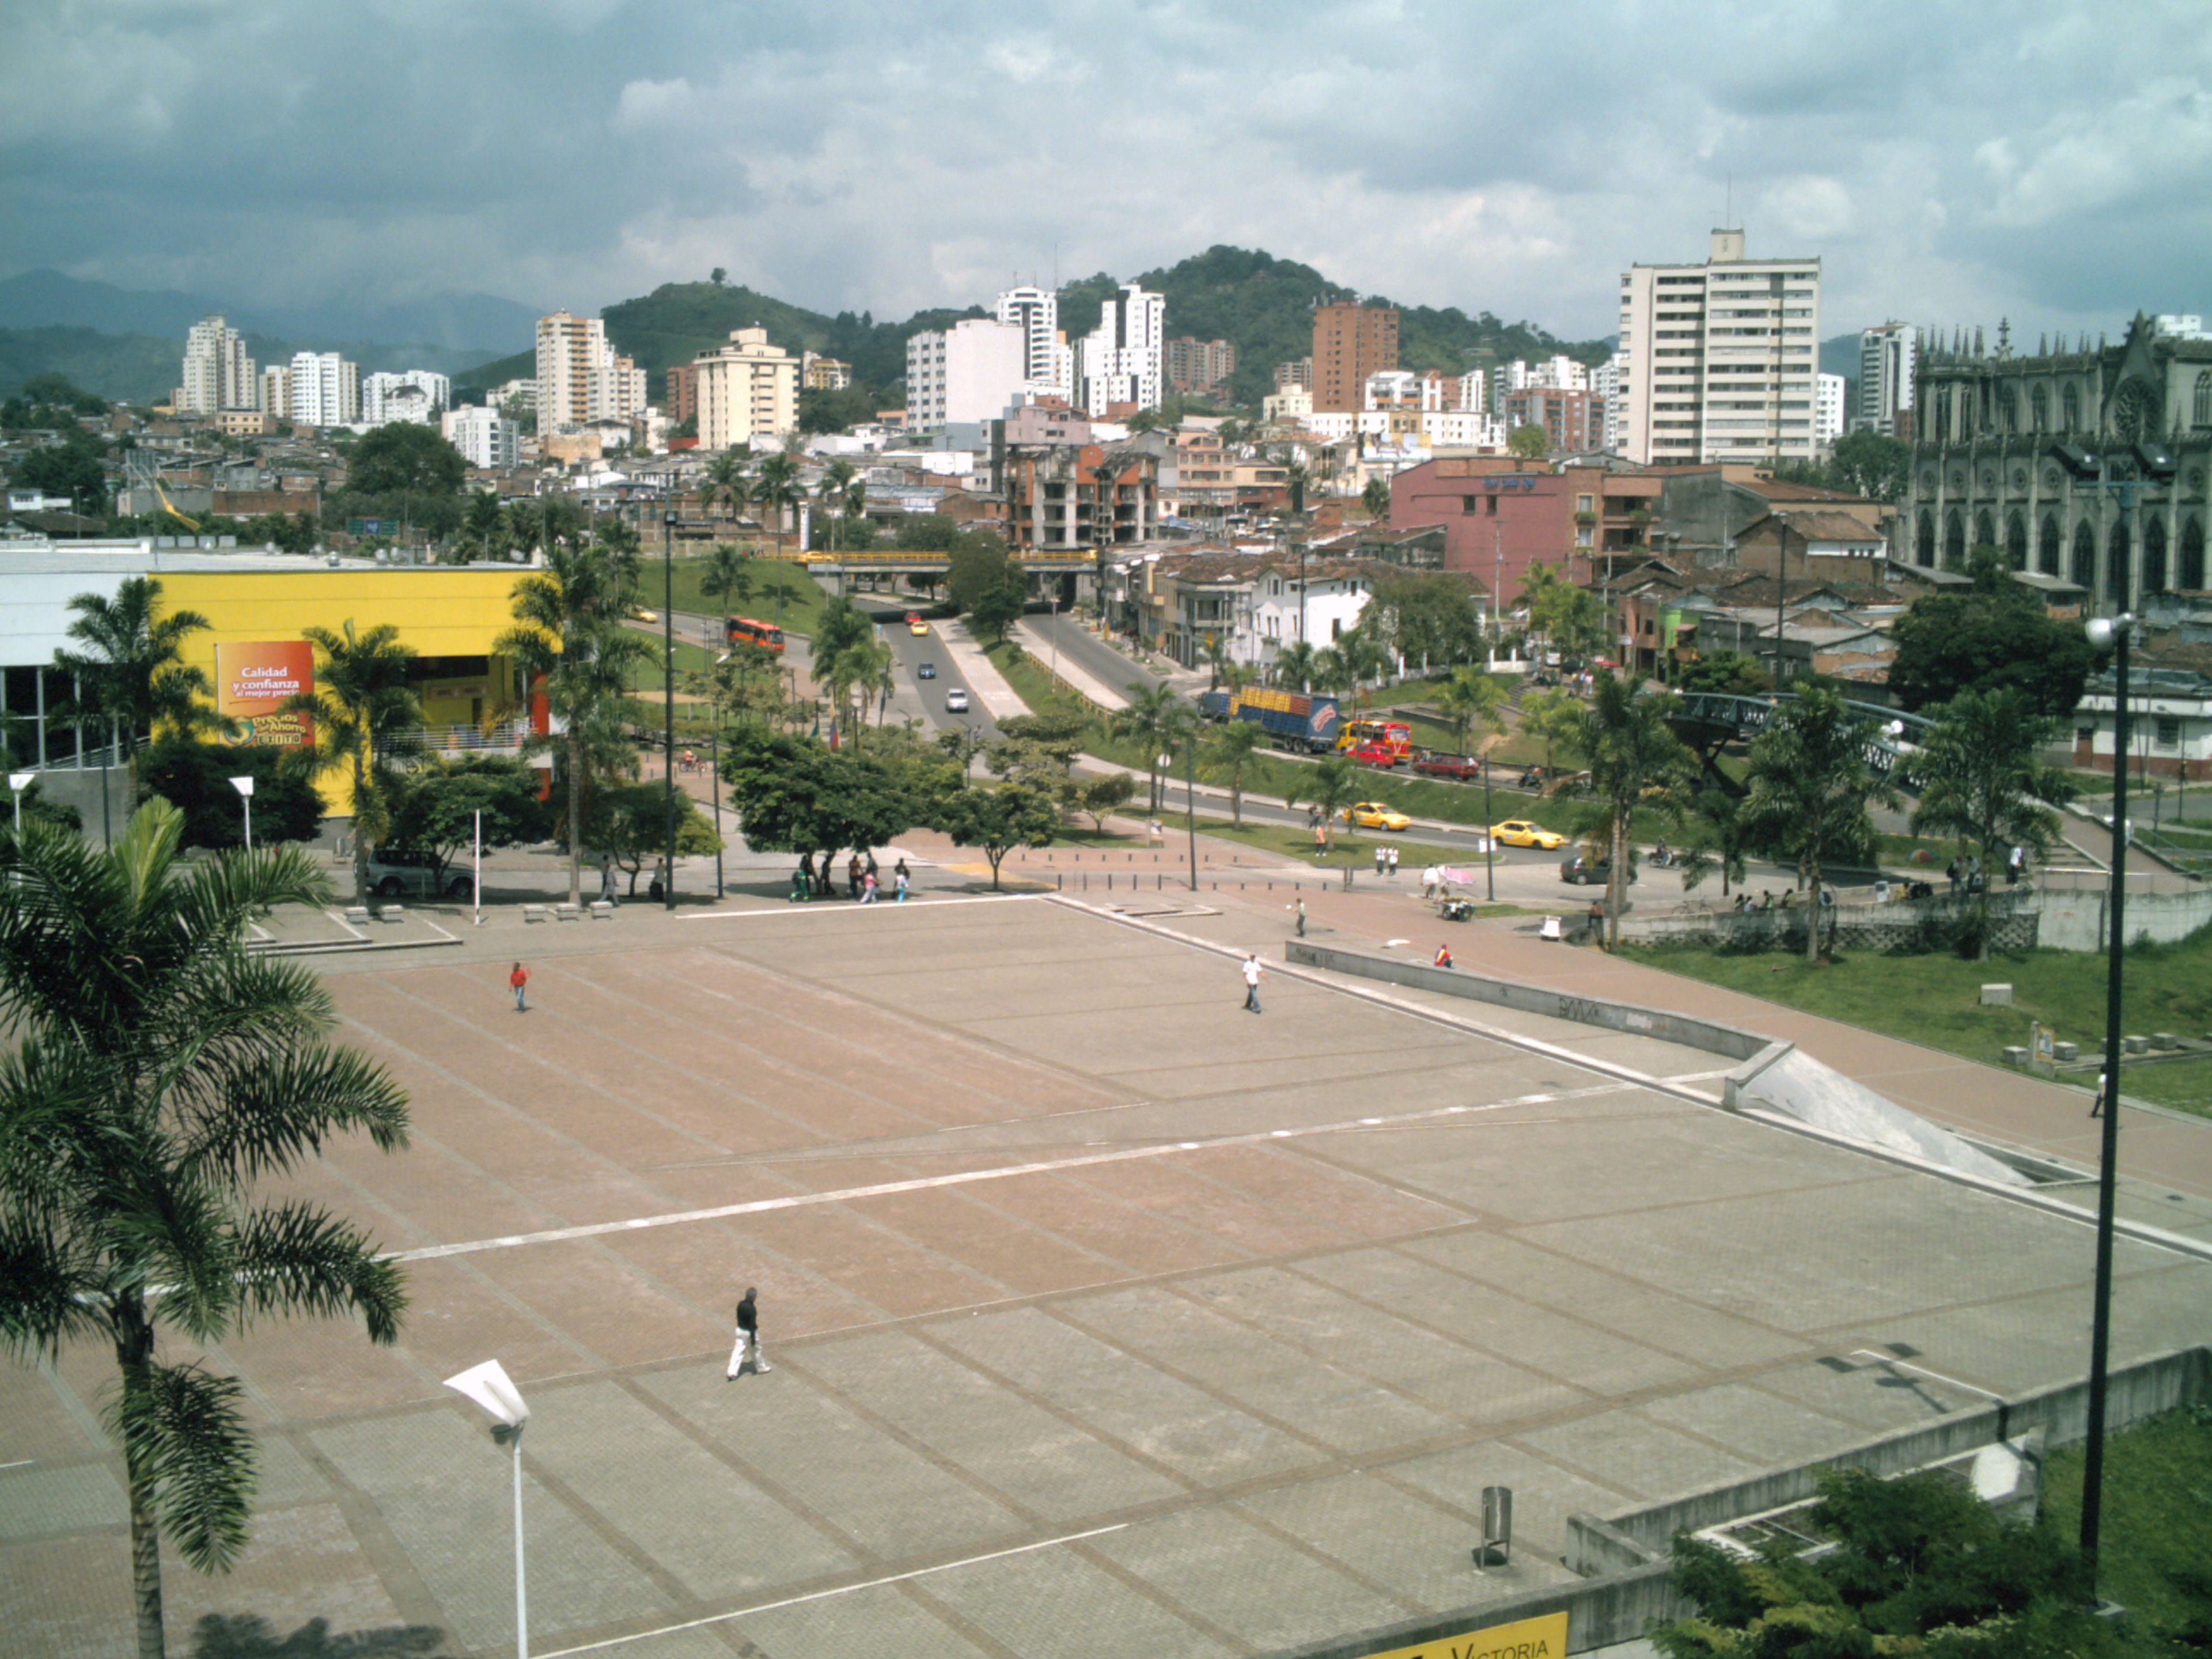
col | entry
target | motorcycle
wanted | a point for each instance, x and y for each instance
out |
(1664, 857)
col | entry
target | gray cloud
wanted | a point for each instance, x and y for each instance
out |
(2047, 161)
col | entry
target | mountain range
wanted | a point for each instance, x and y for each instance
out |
(129, 345)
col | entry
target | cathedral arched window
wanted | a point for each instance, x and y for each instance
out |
(1985, 529)
(2007, 408)
(2200, 413)
(2038, 406)
(2192, 557)
(1954, 541)
(2016, 542)
(2070, 409)
(2047, 545)
(2084, 571)
(2154, 581)
(1942, 414)
(1923, 540)
(2117, 589)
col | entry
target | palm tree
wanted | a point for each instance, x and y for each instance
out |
(1151, 719)
(362, 711)
(569, 630)
(1470, 698)
(1634, 758)
(1811, 781)
(1294, 665)
(1977, 778)
(1331, 670)
(1556, 718)
(1331, 784)
(132, 672)
(726, 575)
(727, 481)
(1228, 751)
(843, 491)
(158, 1072)
(776, 487)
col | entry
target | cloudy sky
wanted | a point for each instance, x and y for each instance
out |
(1951, 163)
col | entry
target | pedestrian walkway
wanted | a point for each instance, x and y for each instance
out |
(998, 699)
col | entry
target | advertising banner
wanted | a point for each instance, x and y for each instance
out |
(252, 682)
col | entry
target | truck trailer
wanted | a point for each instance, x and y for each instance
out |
(1293, 720)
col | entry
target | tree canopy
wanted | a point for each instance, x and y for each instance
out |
(1811, 784)
(401, 456)
(793, 794)
(1948, 643)
(194, 777)
(997, 820)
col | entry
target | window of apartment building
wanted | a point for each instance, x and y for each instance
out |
(1585, 503)
(2169, 731)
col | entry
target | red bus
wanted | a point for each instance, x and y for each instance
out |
(743, 630)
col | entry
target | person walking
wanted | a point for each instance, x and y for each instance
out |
(852, 877)
(868, 888)
(1300, 906)
(607, 879)
(899, 876)
(1251, 982)
(1394, 864)
(1382, 861)
(516, 981)
(748, 1345)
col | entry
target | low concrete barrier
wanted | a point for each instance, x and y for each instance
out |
(1703, 1034)
(1914, 925)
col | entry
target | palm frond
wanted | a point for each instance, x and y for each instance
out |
(185, 1431)
(293, 1258)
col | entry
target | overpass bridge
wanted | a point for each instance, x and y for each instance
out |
(897, 562)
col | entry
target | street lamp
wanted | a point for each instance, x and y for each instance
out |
(245, 788)
(18, 782)
(668, 689)
(2107, 634)
(489, 1386)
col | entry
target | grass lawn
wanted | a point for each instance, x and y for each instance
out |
(2158, 1481)
(1936, 1000)
(800, 604)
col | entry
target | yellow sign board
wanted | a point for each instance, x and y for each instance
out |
(1524, 1638)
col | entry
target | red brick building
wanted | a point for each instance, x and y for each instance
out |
(1351, 342)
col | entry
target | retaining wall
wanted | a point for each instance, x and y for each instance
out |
(1626, 1556)
(2076, 921)
(1704, 1034)
(1926, 924)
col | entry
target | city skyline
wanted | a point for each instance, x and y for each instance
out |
(1947, 167)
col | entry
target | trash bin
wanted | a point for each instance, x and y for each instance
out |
(1496, 1546)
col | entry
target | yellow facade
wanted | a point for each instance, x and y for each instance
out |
(449, 616)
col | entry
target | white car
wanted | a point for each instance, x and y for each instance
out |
(955, 700)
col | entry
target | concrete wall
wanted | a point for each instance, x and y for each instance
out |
(2077, 921)
(1625, 1558)
(1531, 999)
(1918, 925)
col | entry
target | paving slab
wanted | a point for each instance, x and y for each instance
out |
(1102, 1317)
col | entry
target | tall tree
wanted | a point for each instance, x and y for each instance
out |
(793, 794)
(1376, 498)
(776, 487)
(845, 493)
(1554, 718)
(1295, 664)
(1948, 643)
(1152, 718)
(130, 670)
(403, 457)
(159, 1072)
(729, 481)
(997, 819)
(1811, 785)
(1469, 699)
(1979, 776)
(569, 633)
(1228, 753)
(364, 713)
(1331, 783)
(1634, 759)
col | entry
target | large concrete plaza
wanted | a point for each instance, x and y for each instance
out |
(1105, 1319)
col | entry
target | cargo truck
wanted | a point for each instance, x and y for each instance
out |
(1294, 720)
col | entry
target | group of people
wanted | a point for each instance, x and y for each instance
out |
(862, 883)
(1386, 861)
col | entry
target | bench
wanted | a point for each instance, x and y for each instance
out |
(602, 911)
(357, 914)
(390, 912)
(565, 912)
(537, 913)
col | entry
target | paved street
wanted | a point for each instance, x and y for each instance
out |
(1105, 1318)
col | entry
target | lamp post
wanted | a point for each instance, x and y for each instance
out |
(1489, 841)
(18, 782)
(489, 1386)
(668, 691)
(2112, 633)
(245, 788)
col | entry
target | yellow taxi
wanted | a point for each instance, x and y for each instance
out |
(1519, 832)
(914, 624)
(1374, 815)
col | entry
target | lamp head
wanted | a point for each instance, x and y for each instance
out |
(19, 782)
(244, 786)
(2103, 632)
(489, 1385)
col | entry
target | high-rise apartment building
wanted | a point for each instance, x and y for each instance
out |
(276, 391)
(1351, 342)
(1048, 363)
(1195, 365)
(484, 435)
(218, 374)
(1124, 360)
(968, 373)
(1717, 360)
(1887, 359)
(325, 389)
(1828, 408)
(579, 378)
(412, 394)
(747, 389)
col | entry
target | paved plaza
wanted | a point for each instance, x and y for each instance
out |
(1105, 1319)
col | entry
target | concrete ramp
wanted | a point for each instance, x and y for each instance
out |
(1788, 1083)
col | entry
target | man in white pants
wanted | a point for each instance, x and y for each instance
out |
(748, 1337)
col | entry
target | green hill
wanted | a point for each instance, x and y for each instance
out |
(1261, 304)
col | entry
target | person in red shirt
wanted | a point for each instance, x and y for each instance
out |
(517, 979)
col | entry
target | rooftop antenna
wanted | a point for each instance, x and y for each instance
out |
(1728, 202)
